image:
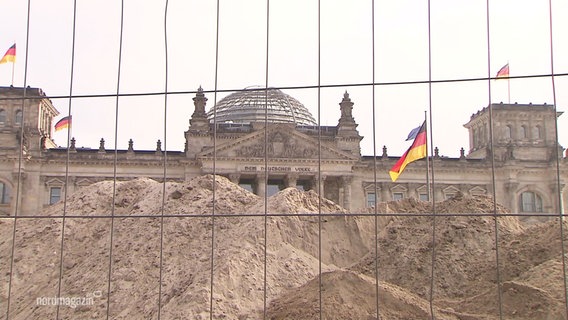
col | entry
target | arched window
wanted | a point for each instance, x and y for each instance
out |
(530, 202)
(523, 132)
(18, 118)
(2, 116)
(536, 132)
(4, 193)
(508, 132)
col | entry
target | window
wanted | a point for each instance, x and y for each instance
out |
(4, 193)
(480, 136)
(536, 132)
(18, 118)
(449, 195)
(423, 197)
(54, 194)
(530, 202)
(523, 132)
(2, 116)
(508, 131)
(397, 195)
(474, 136)
(247, 186)
(371, 199)
(273, 187)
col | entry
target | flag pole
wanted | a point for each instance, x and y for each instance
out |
(427, 159)
(13, 64)
(70, 132)
(509, 83)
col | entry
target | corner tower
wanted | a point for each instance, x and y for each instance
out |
(520, 131)
(197, 136)
(30, 110)
(348, 138)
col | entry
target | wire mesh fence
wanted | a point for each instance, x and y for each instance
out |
(155, 207)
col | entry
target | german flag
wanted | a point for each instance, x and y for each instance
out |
(10, 55)
(503, 72)
(416, 151)
(63, 123)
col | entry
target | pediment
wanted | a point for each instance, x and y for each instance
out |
(422, 188)
(369, 186)
(477, 191)
(82, 182)
(282, 143)
(450, 189)
(399, 188)
(54, 182)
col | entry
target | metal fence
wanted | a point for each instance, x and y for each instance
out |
(399, 62)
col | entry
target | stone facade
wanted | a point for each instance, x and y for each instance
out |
(265, 159)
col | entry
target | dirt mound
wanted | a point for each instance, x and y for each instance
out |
(186, 246)
(145, 196)
(465, 256)
(347, 295)
(294, 201)
(518, 301)
(298, 224)
(229, 249)
(538, 244)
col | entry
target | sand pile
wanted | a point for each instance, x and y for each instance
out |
(348, 295)
(464, 270)
(145, 196)
(238, 274)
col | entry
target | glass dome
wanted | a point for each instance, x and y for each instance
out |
(247, 106)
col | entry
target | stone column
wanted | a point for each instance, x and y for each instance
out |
(317, 184)
(346, 183)
(260, 185)
(291, 180)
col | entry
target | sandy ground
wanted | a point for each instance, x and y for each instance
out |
(168, 264)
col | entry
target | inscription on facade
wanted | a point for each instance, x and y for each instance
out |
(278, 169)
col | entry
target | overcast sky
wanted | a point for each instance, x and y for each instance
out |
(519, 34)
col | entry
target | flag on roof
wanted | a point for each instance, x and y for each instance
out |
(413, 133)
(63, 123)
(503, 72)
(10, 55)
(416, 151)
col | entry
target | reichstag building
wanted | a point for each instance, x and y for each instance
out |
(292, 150)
